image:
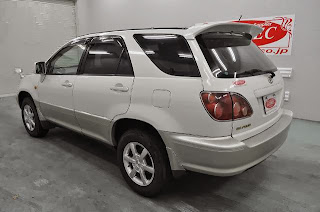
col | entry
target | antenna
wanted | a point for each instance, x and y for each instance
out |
(240, 18)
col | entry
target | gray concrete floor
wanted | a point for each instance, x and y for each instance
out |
(68, 172)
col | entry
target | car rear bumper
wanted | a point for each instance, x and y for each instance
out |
(225, 156)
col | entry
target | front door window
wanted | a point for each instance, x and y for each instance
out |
(66, 62)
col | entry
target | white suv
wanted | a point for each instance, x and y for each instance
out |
(203, 99)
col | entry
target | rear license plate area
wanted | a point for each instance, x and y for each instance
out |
(270, 103)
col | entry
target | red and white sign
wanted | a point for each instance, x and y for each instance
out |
(277, 35)
(270, 103)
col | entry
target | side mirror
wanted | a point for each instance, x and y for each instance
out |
(19, 71)
(41, 68)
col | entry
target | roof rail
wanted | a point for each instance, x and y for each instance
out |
(119, 30)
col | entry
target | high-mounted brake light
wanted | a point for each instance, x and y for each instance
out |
(226, 106)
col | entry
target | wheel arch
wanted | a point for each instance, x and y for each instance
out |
(122, 125)
(22, 95)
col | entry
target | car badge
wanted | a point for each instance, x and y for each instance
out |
(239, 82)
(270, 79)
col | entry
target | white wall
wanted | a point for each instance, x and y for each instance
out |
(100, 15)
(31, 31)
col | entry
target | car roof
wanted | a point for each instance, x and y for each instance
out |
(188, 32)
(171, 30)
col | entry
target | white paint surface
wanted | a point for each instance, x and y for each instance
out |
(30, 31)
(101, 15)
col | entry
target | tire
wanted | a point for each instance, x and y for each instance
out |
(36, 129)
(153, 183)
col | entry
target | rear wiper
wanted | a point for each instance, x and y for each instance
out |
(255, 72)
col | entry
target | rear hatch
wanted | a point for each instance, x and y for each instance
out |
(239, 67)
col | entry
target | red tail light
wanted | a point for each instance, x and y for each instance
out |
(241, 104)
(226, 106)
(219, 105)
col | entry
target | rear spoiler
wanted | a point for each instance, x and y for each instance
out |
(198, 29)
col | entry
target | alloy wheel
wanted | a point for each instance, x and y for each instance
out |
(138, 163)
(29, 118)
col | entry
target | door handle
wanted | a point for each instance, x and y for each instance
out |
(67, 84)
(119, 88)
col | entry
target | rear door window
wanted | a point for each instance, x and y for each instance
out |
(170, 53)
(233, 55)
(107, 56)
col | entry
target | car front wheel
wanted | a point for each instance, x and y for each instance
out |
(31, 119)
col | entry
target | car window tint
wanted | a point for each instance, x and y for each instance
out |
(66, 62)
(233, 55)
(103, 58)
(125, 67)
(170, 53)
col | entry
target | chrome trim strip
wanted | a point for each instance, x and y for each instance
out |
(77, 111)
(91, 115)
(53, 105)
(7, 95)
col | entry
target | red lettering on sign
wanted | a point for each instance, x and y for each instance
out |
(272, 32)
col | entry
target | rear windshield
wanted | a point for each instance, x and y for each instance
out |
(233, 55)
(170, 53)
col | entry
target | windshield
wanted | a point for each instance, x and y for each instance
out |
(233, 55)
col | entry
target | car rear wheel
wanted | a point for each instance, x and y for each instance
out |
(31, 119)
(143, 162)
